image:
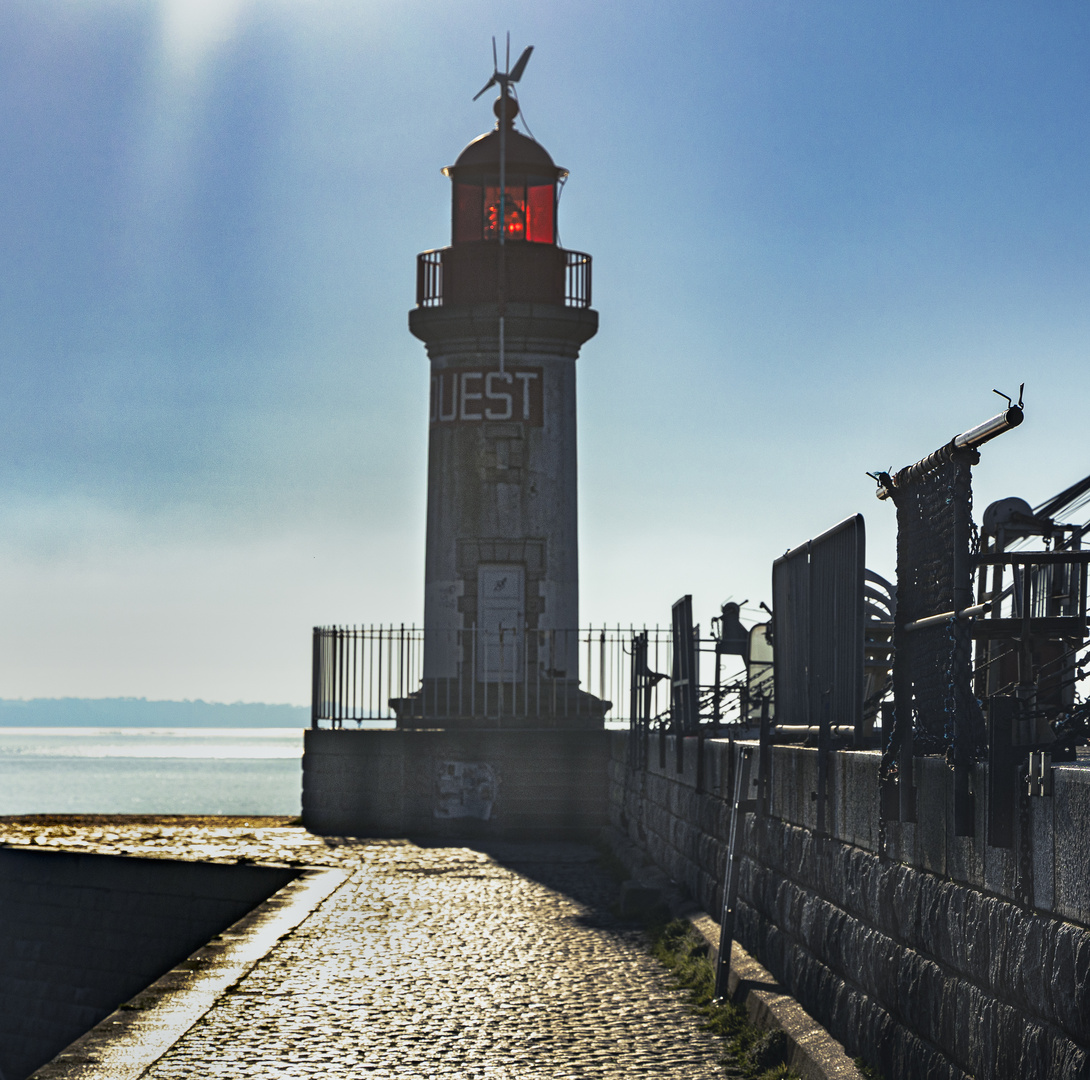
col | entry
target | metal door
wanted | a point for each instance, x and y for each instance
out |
(501, 618)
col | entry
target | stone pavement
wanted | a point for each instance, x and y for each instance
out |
(488, 962)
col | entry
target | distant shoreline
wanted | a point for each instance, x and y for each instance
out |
(139, 712)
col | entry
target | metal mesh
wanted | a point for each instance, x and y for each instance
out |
(934, 575)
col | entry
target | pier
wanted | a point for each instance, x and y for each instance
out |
(384, 959)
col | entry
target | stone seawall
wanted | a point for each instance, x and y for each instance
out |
(80, 934)
(928, 954)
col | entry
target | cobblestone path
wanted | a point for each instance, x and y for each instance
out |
(458, 962)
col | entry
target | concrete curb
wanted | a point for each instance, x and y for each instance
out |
(132, 1038)
(814, 1053)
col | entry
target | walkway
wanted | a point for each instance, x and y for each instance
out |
(489, 963)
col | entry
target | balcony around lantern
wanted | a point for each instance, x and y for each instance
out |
(468, 273)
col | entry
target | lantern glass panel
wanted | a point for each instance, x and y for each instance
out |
(541, 214)
(530, 212)
(467, 212)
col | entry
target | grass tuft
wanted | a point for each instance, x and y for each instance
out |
(868, 1071)
(756, 1054)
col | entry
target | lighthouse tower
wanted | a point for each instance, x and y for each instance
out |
(503, 312)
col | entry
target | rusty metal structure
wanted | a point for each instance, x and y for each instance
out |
(934, 708)
(1030, 644)
(986, 680)
(991, 676)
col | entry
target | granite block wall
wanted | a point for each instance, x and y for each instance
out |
(929, 954)
(80, 934)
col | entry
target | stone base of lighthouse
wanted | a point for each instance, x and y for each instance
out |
(547, 704)
(499, 784)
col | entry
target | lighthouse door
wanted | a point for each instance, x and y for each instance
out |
(501, 619)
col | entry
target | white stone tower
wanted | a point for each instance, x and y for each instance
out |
(503, 312)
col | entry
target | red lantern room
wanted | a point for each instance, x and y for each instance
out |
(530, 267)
(531, 188)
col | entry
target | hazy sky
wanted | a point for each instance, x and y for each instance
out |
(822, 233)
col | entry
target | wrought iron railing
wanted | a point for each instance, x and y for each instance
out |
(375, 674)
(576, 284)
(429, 279)
(576, 279)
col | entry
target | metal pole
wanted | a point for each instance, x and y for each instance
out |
(602, 665)
(982, 433)
(315, 677)
(502, 304)
(741, 804)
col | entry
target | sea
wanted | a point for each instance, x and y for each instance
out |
(133, 770)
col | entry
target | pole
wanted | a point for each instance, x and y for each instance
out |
(503, 211)
(966, 441)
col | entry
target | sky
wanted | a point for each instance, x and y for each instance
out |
(822, 234)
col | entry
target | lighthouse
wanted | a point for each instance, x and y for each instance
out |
(503, 312)
(495, 735)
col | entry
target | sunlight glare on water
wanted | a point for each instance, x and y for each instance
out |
(150, 770)
(245, 743)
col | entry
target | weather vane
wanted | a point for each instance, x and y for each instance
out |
(502, 79)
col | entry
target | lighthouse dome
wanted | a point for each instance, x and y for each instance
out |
(525, 158)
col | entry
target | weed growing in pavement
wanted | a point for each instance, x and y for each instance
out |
(868, 1071)
(756, 1054)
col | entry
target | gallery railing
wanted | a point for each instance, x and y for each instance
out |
(577, 266)
(468, 273)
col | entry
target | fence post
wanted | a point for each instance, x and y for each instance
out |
(741, 805)
(315, 676)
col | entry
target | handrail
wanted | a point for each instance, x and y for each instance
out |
(429, 278)
(577, 267)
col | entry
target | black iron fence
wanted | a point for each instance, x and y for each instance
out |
(377, 673)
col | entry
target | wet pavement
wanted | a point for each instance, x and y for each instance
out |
(495, 961)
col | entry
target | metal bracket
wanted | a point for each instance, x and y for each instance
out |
(1039, 776)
